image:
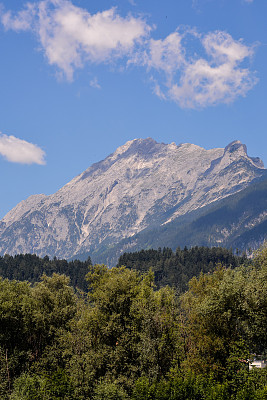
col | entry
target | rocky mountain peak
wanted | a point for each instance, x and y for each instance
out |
(237, 150)
(143, 148)
(236, 146)
(142, 183)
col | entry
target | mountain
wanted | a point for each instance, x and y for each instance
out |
(238, 221)
(142, 185)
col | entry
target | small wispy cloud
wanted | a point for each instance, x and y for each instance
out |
(94, 83)
(19, 151)
(22, 21)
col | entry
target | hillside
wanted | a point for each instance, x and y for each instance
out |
(238, 221)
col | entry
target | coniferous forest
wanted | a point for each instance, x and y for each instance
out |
(123, 335)
(177, 268)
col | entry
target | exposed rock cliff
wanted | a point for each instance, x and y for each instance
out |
(141, 184)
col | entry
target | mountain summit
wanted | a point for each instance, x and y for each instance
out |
(142, 184)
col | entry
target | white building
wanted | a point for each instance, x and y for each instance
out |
(257, 364)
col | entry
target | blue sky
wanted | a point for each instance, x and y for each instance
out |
(80, 78)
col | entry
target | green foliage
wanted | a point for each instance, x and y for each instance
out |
(29, 387)
(126, 340)
(244, 386)
(31, 319)
(55, 386)
(127, 330)
(13, 347)
(109, 391)
(225, 318)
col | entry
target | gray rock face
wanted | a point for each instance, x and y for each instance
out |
(142, 183)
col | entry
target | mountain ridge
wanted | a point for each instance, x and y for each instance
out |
(139, 185)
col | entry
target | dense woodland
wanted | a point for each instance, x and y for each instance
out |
(177, 268)
(170, 268)
(126, 339)
(29, 267)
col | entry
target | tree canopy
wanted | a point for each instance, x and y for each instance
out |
(124, 338)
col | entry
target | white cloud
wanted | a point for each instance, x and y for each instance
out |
(70, 35)
(94, 83)
(188, 68)
(19, 151)
(194, 81)
(158, 92)
(22, 21)
(166, 55)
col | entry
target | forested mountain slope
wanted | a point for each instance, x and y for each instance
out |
(238, 221)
